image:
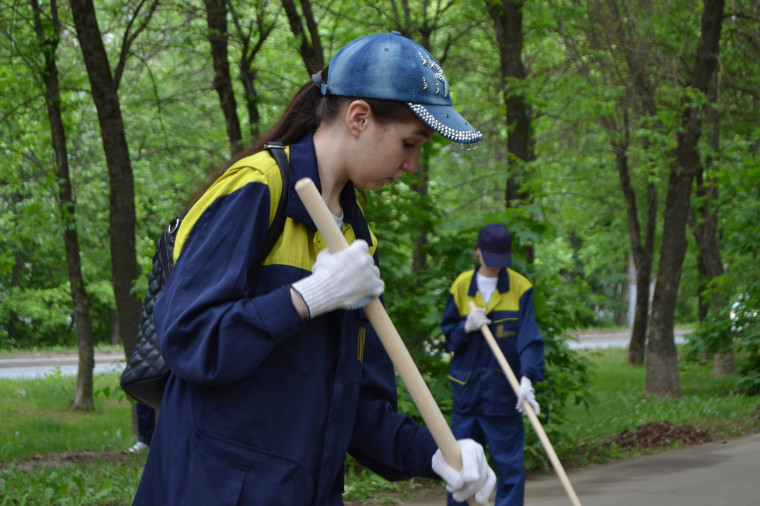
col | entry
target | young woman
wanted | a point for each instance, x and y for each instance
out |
(276, 374)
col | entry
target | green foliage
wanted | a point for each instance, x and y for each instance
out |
(43, 315)
(175, 129)
(734, 325)
(365, 486)
(560, 307)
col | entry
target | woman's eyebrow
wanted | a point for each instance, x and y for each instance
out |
(425, 133)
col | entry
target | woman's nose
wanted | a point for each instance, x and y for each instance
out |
(411, 164)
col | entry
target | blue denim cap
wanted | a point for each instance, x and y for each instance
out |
(389, 66)
(495, 243)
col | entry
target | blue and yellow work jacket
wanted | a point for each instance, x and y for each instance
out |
(478, 384)
(261, 407)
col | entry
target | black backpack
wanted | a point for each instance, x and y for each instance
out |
(145, 376)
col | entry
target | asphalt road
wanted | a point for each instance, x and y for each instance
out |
(35, 365)
(713, 474)
(613, 339)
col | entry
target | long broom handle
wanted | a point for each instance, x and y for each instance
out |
(387, 333)
(529, 410)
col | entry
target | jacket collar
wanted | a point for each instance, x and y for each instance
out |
(303, 163)
(502, 285)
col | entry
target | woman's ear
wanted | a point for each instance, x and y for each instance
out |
(358, 113)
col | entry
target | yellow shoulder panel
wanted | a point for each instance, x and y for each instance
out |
(257, 168)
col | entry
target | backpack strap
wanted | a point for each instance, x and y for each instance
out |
(277, 151)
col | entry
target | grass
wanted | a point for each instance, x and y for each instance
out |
(708, 403)
(37, 417)
(50, 454)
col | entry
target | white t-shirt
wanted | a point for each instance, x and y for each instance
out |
(486, 286)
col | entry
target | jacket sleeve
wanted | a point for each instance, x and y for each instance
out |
(210, 327)
(530, 345)
(452, 325)
(386, 441)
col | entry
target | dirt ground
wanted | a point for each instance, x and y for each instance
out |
(658, 434)
(67, 458)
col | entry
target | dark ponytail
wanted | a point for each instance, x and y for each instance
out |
(306, 110)
(298, 119)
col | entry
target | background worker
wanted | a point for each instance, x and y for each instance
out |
(146, 425)
(486, 408)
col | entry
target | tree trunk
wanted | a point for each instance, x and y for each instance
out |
(620, 316)
(248, 78)
(662, 361)
(419, 258)
(13, 319)
(637, 346)
(114, 339)
(83, 397)
(216, 17)
(642, 249)
(507, 21)
(252, 39)
(705, 229)
(122, 195)
(310, 47)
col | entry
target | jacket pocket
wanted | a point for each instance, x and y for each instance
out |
(505, 327)
(460, 377)
(463, 391)
(266, 477)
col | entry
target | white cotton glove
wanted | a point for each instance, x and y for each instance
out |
(527, 394)
(340, 280)
(475, 479)
(476, 319)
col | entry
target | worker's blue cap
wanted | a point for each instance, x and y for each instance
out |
(389, 66)
(495, 243)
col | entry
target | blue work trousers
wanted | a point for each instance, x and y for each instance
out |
(504, 437)
(146, 423)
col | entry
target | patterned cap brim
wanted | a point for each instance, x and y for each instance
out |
(444, 120)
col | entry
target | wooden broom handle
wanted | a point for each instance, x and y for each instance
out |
(529, 411)
(387, 333)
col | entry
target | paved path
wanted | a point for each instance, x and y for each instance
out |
(30, 365)
(706, 475)
(613, 338)
(713, 474)
(37, 365)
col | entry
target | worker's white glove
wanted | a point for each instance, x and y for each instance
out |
(476, 319)
(475, 479)
(340, 280)
(527, 394)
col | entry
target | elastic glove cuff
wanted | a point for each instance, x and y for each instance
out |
(314, 290)
(527, 394)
